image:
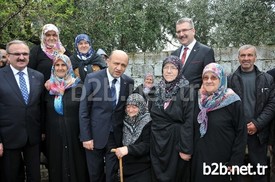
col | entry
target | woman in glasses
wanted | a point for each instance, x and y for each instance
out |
(220, 131)
(172, 125)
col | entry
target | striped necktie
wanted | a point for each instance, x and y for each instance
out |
(23, 86)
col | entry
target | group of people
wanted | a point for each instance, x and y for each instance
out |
(82, 111)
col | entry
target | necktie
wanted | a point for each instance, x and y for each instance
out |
(184, 55)
(113, 92)
(23, 87)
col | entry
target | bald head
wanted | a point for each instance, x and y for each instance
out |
(118, 61)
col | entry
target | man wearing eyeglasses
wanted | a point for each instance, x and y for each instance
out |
(194, 55)
(20, 131)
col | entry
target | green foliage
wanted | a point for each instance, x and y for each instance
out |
(139, 25)
(243, 22)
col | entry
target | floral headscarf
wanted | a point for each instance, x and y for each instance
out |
(51, 52)
(221, 98)
(59, 85)
(167, 90)
(133, 125)
(90, 52)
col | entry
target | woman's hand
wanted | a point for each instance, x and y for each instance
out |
(184, 156)
(121, 151)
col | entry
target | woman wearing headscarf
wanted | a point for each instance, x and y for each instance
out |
(66, 156)
(136, 141)
(41, 59)
(172, 125)
(42, 56)
(85, 60)
(220, 130)
(147, 88)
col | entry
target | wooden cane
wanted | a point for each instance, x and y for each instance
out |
(120, 167)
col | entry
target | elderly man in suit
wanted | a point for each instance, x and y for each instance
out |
(194, 55)
(20, 131)
(102, 109)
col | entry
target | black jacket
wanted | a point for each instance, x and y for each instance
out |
(85, 65)
(265, 100)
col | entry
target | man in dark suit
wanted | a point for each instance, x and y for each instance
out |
(102, 109)
(20, 131)
(194, 55)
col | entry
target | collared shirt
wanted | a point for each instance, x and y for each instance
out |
(26, 76)
(117, 85)
(190, 47)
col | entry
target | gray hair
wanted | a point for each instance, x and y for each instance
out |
(247, 46)
(183, 20)
(15, 42)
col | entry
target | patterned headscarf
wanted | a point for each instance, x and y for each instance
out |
(133, 126)
(59, 85)
(51, 52)
(167, 90)
(219, 99)
(83, 56)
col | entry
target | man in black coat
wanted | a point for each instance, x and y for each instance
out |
(101, 115)
(20, 104)
(257, 92)
(194, 55)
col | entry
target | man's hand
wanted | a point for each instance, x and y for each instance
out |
(251, 128)
(89, 145)
(1, 149)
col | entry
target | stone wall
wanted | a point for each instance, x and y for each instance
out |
(141, 63)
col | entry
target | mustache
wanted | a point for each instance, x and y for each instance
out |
(21, 60)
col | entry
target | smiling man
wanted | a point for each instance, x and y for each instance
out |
(20, 105)
(194, 55)
(256, 90)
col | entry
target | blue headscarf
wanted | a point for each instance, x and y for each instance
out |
(90, 52)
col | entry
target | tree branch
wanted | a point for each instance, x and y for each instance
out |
(20, 9)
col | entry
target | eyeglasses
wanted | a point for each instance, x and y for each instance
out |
(25, 54)
(212, 78)
(183, 30)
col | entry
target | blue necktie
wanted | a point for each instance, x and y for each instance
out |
(113, 92)
(23, 87)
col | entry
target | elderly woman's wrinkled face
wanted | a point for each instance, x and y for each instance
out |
(170, 72)
(132, 110)
(210, 82)
(51, 38)
(60, 69)
(148, 82)
(83, 46)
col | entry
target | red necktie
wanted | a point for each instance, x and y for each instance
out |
(184, 55)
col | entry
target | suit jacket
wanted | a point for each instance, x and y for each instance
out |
(96, 111)
(20, 122)
(199, 57)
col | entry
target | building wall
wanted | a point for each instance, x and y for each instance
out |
(141, 63)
